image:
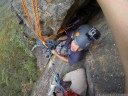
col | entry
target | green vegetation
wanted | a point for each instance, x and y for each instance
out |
(18, 71)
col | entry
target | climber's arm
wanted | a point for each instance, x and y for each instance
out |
(59, 56)
(116, 14)
(63, 37)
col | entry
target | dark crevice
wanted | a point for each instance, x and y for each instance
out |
(85, 12)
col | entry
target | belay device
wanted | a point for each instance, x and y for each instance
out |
(51, 45)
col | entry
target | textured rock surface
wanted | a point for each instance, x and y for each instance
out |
(103, 61)
(55, 14)
(42, 86)
(41, 59)
(103, 68)
(52, 13)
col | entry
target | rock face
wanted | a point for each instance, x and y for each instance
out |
(103, 61)
(52, 13)
(104, 70)
(55, 14)
(43, 84)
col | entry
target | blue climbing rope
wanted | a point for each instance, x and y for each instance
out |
(51, 45)
(58, 81)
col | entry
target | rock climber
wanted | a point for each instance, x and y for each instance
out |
(74, 44)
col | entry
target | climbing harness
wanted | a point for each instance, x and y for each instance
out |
(61, 48)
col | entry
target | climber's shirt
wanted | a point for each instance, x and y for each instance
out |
(64, 49)
(73, 57)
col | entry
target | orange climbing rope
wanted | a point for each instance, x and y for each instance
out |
(54, 35)
(37, 21)
(36, 17)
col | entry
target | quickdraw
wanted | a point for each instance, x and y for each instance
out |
(58, 81)
(50, 45)
(59, 85)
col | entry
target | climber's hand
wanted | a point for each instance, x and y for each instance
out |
(54, 52)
